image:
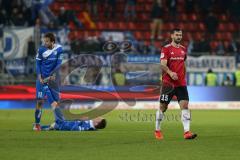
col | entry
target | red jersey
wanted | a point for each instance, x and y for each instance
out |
(175, 57)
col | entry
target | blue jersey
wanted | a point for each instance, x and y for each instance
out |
(74, 125)
(48, 60)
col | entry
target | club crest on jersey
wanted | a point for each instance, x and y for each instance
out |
(162, 55)
(172, 52)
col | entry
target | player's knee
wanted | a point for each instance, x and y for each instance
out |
(184, 104)
(54, 104)
(39, 104)
(163, 107)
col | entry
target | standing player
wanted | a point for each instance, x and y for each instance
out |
(173, 56)
(48, 60)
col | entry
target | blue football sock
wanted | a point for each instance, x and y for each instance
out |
(38, 114)
(58, 114)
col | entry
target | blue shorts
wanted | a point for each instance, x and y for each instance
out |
(44, 90)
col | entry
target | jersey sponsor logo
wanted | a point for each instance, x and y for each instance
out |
(177, 58)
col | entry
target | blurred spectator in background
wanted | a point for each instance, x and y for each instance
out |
(223, 6)
(31, 49)
(237, 76)
(205, 6)
(65, 16)
(234, 46)
(17, 18)
(3, 17)
(211, 78)
(110, 8)
(93, 8)
(143, 48)
(227, 81)
(119, 77)
(7, 6)
(1, 41)
(37, 33)
(202, 46)
(27, 13)
(40, 8)
(172, 8)
(234, 10)
(191, 45)
(130, 9)
(220, 49)
(211, 24)
(189, 6)
(157, 15)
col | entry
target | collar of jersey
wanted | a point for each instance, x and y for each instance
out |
(50, 51)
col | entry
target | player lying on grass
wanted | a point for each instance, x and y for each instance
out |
(76, 125)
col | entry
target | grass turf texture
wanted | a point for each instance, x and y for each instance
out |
(126, 137)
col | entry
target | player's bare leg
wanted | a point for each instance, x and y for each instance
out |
(159, 118)
(186, 118)
(38, 114)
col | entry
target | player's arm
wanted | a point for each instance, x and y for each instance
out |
(38, 66)
(58, 63)
(164, 67)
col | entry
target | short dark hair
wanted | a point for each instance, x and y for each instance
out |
(50, 36)
(176, 30)
(101, 124)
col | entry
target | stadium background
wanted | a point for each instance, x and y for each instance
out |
(210, 33)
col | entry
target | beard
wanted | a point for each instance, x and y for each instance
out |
(177, 41)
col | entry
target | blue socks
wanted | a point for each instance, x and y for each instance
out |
(38, 114)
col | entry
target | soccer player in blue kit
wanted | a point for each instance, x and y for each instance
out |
(77, 125)
(48, 61)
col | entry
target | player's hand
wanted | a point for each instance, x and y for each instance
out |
(52, 78)
(173, 75)
(41, 80)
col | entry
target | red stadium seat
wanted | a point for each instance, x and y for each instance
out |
(148, 7)
(122, 25)
(138, 35)
(197, 36)
(222, 17)
(218, 36)
(168, 26)
(201, 27)
(192, 17)
(213, 45)
(102, 25)
(113, 26)
(231, 27)
(227, 36)
(182, 17)
(147, 35)
(131, 26)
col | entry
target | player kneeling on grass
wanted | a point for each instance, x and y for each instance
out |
(77, 125)
(173, 58)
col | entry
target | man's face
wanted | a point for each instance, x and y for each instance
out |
(48, 43)
(177, 36)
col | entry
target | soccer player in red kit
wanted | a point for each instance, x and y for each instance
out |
(173, 58)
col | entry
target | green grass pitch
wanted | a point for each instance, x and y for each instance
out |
(128, 136)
